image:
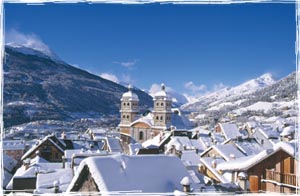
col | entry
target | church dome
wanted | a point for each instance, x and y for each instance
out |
(162, 94)
(130, 95)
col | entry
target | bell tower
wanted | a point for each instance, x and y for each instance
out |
(129, 107)
(162, 109)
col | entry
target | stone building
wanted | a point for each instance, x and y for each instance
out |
(136, 127)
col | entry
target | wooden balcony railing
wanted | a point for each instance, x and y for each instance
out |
(289, 179)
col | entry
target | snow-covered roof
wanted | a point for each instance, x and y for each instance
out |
(133, 148)
(130, 95)
(8, 162)
(36, 146)
(182, 143)
(205, 140)
(157, 140)
(244, 163)
(31, 171)
(207, 161)
(180, 121)
(249, 147)
(287, 131)
(228, 150)
(190, 158)
(217, 137)
(230, 130)
(114, 145)
(44, 181)
(268, 132)
(14, 145)
(37, 160)
(70, 153)
(96, 130)
(143, 173)
(251, 124)
(148, 119)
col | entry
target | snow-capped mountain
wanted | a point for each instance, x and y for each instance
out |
(41, 87)
(43, 52)
(229, 96)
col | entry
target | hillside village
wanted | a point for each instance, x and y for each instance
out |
(161, 151)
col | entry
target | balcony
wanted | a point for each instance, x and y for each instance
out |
(289, 179)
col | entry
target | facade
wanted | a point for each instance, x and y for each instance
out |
(272, 170)
(50, 148)
(14, 148)
(138, 128)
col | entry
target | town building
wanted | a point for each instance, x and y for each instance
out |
(139, 128)
(119, 174)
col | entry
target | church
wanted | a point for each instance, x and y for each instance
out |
(135, 127)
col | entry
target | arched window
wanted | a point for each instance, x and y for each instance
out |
(157, 118)
(124, 116)
(127, 116)
(157, 104)
(162, 104)
(161, 118)
(124, 104)
(127, 104)
(141, 135)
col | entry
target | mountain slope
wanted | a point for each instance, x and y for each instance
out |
(37, 88)
(229, 94)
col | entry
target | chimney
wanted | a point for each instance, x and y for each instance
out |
(214, 164)
(197, 134)
(173, 149)
(186, 184)
(152, 134)
(200, 168)
(63, 135)
(56, 186)
(36, 171)
(63, 162)
(232, 157)
(26, 163)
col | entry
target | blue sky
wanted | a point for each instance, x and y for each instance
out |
(191, 48)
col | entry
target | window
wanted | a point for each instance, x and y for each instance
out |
(162, 104)
(124, 116)
(127, 104)
(141, 135)
(127, 116)
(157, 104)
(124, 104)
(157, 118)
(161, 118)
